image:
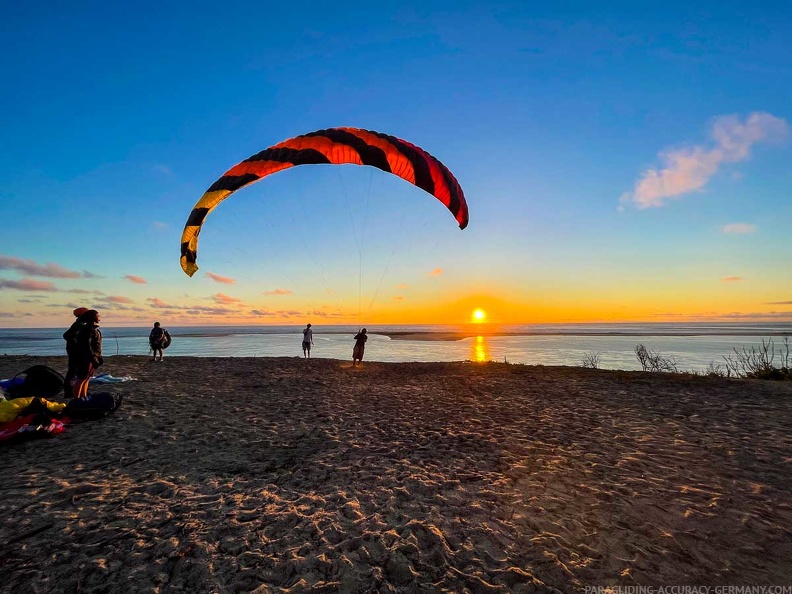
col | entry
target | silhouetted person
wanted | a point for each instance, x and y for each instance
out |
(360, 347)
(157, 339)
(88, 352)
(307, 341)
(70, 336)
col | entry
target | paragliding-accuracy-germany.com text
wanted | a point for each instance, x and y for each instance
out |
(688, 589)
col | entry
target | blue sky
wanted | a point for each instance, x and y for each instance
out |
(620, 162)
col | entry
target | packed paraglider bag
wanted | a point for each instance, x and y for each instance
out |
(93, 406)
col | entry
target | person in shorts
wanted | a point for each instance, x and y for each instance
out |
(307, 341)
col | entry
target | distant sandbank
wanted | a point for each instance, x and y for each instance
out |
(461, 335)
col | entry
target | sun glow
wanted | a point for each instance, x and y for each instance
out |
(479, 315)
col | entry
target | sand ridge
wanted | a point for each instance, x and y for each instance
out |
(283, 475)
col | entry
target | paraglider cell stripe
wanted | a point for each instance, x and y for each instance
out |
(423, 179)
(291, 155)
(197, 217)
(369, 155)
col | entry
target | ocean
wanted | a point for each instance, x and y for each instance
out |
(693, 346)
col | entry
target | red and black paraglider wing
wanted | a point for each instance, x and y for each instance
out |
(334, 146)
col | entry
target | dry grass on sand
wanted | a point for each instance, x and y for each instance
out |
(284, 475)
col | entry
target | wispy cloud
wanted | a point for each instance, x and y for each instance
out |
(398, 298)
(158, 303)
(225, 299)
(27, 284)
(689, 169)
(436, 272)
(136, 279)
(220, 279)
(403, 286)
(714, 315)
(160, 226)
(281, 313)
(739, 228)
(211, 311)
(34, 269)
(277, 292)
(326, 314)
(117, 299)
(731, 279)
(778, 303)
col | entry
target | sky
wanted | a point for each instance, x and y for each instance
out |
(622, 162)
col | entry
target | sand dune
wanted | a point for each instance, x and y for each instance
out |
(282, 475)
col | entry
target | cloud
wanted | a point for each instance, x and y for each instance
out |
(32, 268)
(212, 311)
(731, 279)
(689, 169)
(225, 299)
(436, 272)
(220, 279)
(325, 314)
(27, 284)
(136, 279)
(290, 313)
(277, 292)
(160, 226)
(778, 303)
(713, 315)
(398, 298)
(403, 286)
(117, 299)
(739, 228)
(158, 303)
(283, 313)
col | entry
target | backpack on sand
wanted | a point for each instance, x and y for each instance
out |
(39, 380)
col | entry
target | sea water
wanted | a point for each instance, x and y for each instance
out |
(694, 347)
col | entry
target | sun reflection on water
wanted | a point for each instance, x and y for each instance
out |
(479, 350)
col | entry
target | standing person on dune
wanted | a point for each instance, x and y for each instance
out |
(88, 352)
(159, 339)
(70, 336)
(307, 341)
(360, 347)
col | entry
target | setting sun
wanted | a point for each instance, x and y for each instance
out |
(479, 315)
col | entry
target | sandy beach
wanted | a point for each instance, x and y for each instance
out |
(280, 475)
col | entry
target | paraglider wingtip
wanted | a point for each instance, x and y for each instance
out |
(189, 268)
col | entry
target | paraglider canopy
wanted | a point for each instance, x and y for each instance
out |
(332, 146)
